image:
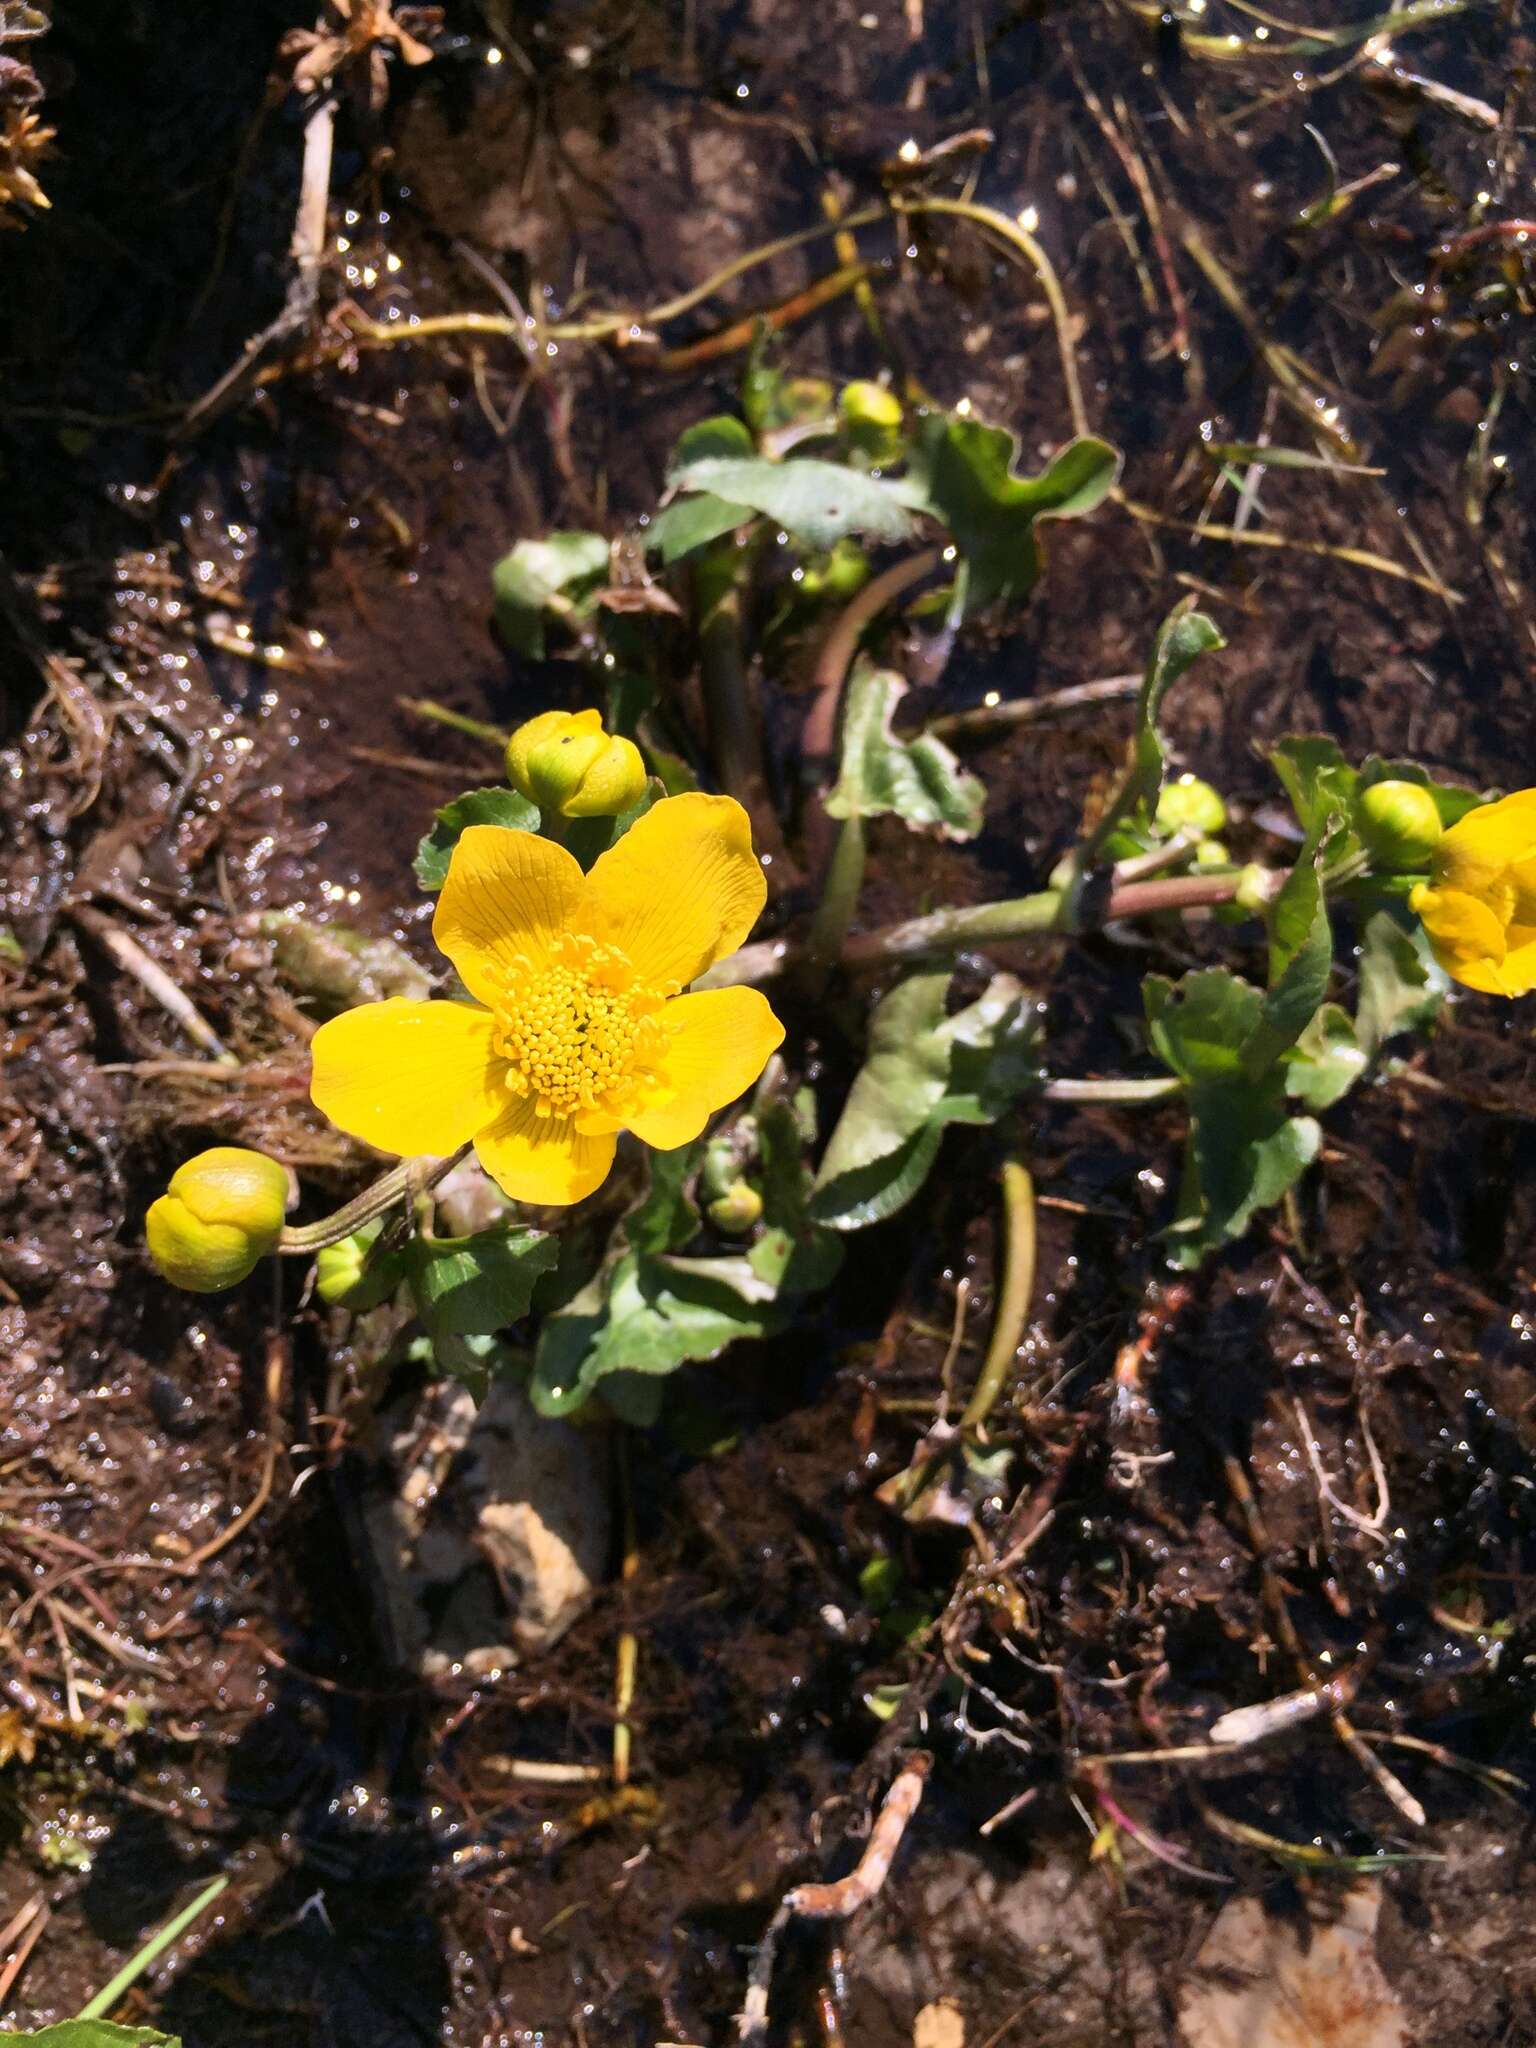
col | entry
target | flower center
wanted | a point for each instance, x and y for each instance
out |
(582, 1034)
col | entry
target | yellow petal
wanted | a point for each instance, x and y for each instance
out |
(409, 1077)
(543, 1159)
(722, 1040)
(1465, 936)
(1475, 852)
(681, 889)
(507, 894)
(1518, 974)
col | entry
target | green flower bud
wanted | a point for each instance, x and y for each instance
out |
(221, 1212)
(1399, 824)
(345, 1277)
(564, 762)
(1210, 853)
(837, 575)
(1190, 805)
(736, 1210)
(1255, 890)
(872, 418)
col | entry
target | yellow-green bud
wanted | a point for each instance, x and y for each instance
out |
(1399, 824)
(871, 418)
(563, 761)
(1210, 853)
(840, 573)
(345, 1277)
(736, 1210)
(1255, 889)
(221, 1212)
(1190, 805)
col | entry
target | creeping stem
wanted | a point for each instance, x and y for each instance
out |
(735, 739)
(1013, 1296)
(951, 931)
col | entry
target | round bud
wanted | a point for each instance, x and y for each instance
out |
(564, 762)
(1190, 805)
(345, 1276)
(837, 575)
(1255, 889)
(872, 418)
(1399, 824)
(736, 1210)
(220, 1213)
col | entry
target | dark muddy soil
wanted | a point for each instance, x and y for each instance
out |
(196, 1671)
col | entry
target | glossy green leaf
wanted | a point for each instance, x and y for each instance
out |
(472, 1286)
(721, 437)
(962, 473)
(925, 1069)
(648, 1311)
(544, 579)
(692, 522)
(919, 779)
(1300, 958)
(1181, 639)
(1317, 778)
(1327, 1059)
(476, 807)
(1401, 984)
(641, 1315)
(795, 1253)
(818, 502)
(95, 2034)
(1244, 1150)
(668, 1216)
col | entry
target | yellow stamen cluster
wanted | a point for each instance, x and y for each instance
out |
(581, 1034)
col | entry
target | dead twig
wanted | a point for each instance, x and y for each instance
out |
(153, 979)
(307, 252)
(33, 1918)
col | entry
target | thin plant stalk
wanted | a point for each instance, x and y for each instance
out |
(952, 931)
(1013, 1297)
(735, 741)
(134, 1968)
(410, 1178)
(456, 721)
(982, 719)
(1017, 238)
(840, 899)
(1124, 1092)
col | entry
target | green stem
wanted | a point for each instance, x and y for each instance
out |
(840, 898)
(1013, 1296)
(156, 1946)
(735, 742)
(411, 1177)
(1016, 236)
(1187, 892)
(950, 931)
(456, 721)
(1123, 1091)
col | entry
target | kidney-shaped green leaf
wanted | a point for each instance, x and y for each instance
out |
(919, 779)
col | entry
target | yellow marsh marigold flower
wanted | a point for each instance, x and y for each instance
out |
(583, 1030)
(220, 1213)
(1479, 904)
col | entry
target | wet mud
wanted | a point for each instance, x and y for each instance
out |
(1324, 1462)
